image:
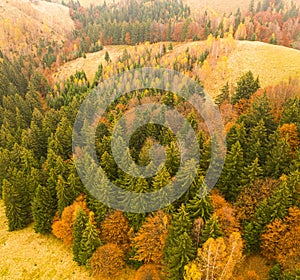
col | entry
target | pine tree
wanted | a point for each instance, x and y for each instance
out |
(90, 241)
(200, 207)
(211, 229)
(79, 228)
(17, 202)
(43, 209)
(179, 248)
(246, 86)
(230, 179)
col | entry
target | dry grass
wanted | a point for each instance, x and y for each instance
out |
(219, 6)
(271, 63)
(27, 255)
(24, 19)
(89, 64)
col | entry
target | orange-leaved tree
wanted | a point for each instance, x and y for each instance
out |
(63, 227)
(281, 240)
(149, 271)
(107, 262)
(115, 229)
(150, 239)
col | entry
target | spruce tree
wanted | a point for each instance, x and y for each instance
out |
(17, 202)
(79, 228)
(279, 159)
(90, 241)
(230, 179)
(211, 229)
(200, 207)
(181, 254)
(246, 86)
(43, 209)
(179, 248)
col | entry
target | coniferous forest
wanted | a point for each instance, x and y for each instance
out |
(249, 220)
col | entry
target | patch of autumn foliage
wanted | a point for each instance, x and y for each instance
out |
(63, 227)
(150, 239)
(226, 214)
(281, 240)
(148, 271)
(249, 197)
(115, 229)
(290, 131)
(108, 262)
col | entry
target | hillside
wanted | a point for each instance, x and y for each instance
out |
(196, 5)
(24, 22)
(270, 62)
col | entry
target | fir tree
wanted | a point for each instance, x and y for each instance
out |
(211, 229)
(89, 243)
(17, 202)
(43, 209)
(179, 249)
(79, 228)
(230, 179)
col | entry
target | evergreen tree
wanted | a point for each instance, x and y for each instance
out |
(224, 95)
(275, 206)
(230, 179)
(89, 243)
(200, 207)
(79, 228)
(252, 172)
(43, 209)
(179, 248)
(181, 255)
(211, 229)
(279, 158)
(66, 194)
(246, 86)
(17, 202)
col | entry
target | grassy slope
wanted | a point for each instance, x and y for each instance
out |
(272, 63)
(88, 64)
(21, 18)
(27, 255)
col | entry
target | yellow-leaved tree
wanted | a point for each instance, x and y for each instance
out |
(217, 259)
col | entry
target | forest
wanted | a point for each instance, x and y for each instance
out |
(254, 209)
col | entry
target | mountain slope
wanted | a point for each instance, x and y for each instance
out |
(24, 22)
(271, 63)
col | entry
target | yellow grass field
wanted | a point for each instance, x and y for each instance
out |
(27, 255)
(31, 20)
(271, 63)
